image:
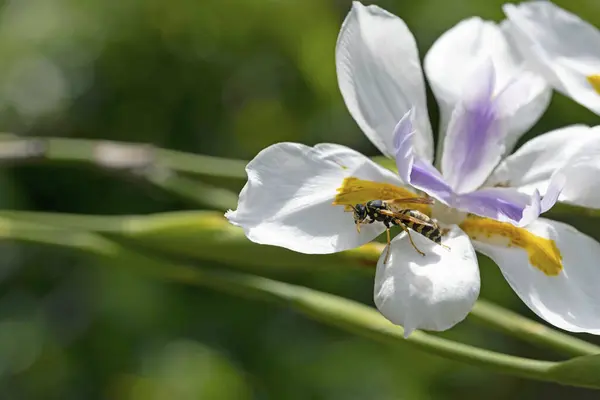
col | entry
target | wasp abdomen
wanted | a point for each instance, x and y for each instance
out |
(429, 228)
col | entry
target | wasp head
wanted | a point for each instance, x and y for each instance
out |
(360, 213)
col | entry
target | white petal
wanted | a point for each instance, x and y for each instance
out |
(576, 148)
(449, 63)
(570, 300)
(432, 292)
(287, 200)
(560, 45)
(380, 77)
(521, 103)
(582, 177)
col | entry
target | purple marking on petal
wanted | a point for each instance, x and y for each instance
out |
(425, 177)
(414, 170)
(510, 205)
(501, 204)
(473, 144)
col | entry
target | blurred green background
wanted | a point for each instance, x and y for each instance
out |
(216, 77)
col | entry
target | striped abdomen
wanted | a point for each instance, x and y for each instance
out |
(429, 228)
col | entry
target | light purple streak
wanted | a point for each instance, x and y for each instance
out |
(414, 170)
(501, 204)
(474, 140)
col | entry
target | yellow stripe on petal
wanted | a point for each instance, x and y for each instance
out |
(543, 253)
(358, 191)
(594, 80)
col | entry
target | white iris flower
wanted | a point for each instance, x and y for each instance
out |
(297, 196)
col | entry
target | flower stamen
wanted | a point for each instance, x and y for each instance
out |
(543, 253)
(359, 191)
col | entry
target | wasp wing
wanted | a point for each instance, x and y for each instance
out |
(416, 203)
(404, 217)
(410, 200)
(408, 218)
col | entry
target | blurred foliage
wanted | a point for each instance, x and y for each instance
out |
(215, 77)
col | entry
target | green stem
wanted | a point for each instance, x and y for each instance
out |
(32, 232)
(564, 209)
(159, 167)
(333, 310)
(203, 235)
(215, 169)
(94, 223)
(357, 318)
(516, 325)
(330, 309)
(206, 235)
(117, 155)
(194, 191)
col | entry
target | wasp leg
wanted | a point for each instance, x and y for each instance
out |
(444, 246)
(444, 232)
(410, 238)
(387, 248)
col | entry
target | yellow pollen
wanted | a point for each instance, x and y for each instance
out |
(594, 80)
(358, 191)
(543, 253)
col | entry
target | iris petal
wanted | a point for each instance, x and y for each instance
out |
(501, 204)
(560, 46)
(287, 200)
(448, 65)
(510, 205)
(569, 300)
(380, 77)
(415, 170)
(474, 143)
(432, 292)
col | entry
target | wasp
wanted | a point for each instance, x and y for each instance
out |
(382, 211)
